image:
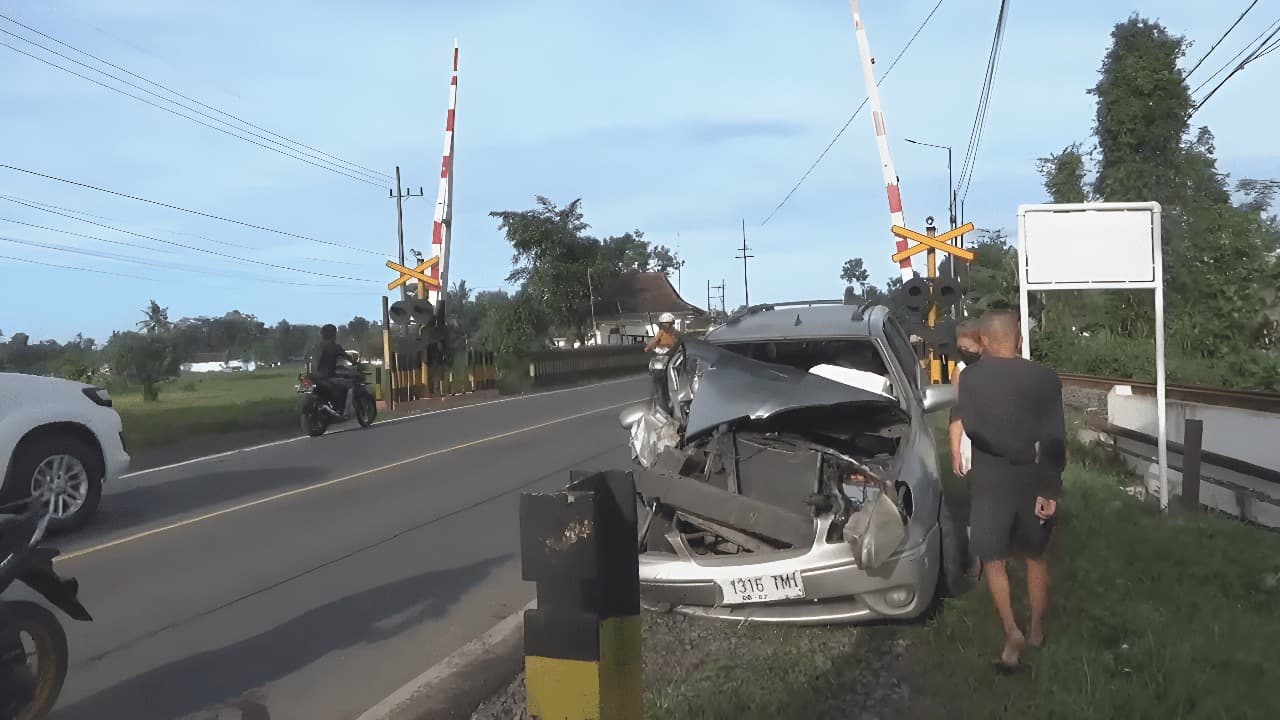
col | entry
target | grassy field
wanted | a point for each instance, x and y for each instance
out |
(1152, 617)
(209, 403)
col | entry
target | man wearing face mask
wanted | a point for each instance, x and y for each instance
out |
(969, 343)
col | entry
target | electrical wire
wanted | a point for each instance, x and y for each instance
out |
(179, 267)
(122, 243)
(77, 269)
(36, 204)
(215, 253)
(186, 210)
(849, 122)
(369, 175)
(1219, 41)
(1252, 56)
(1235, 57)
(351, 165)
(188, 117)
(984, 100)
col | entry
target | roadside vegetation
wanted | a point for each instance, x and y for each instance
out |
(205, 404)
(1221, 239)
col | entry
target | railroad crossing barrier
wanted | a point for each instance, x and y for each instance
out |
(582, 642)
(554, 367)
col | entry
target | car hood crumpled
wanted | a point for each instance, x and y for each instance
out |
(730, 387)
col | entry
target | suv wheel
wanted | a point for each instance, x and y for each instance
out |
(64, 470)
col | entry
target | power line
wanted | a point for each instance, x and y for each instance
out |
(352, 165)
(37, 205)
(1253, 55)
(370, 174)
(849, 122)
(187, 210)
(211, 252)
(984, 100)
(77, 269)
(1235, 57)
(1220, 39)
(200, 270)
(188, 117)
(87, 237)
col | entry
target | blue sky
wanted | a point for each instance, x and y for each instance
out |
(673, 117)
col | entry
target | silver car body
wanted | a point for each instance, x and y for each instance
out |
(888, 566)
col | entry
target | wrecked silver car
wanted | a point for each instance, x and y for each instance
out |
(790, 474)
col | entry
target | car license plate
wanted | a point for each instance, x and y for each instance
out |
(762, 588)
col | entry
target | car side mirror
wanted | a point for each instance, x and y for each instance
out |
(940, 397)
(631, 414)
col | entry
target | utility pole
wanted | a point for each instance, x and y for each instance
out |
(746, 292)
(679, 267)
(591, 294)
(399, 196)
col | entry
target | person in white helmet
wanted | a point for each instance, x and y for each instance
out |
(666, 337)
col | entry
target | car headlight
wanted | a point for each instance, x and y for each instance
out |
(98, 395)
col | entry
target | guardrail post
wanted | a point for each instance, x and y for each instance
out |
(582, 643)
(1192, 444)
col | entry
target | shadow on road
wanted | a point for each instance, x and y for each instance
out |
(199, 491)
(219, 676)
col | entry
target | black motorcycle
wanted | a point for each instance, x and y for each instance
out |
(33, 645)
(318, 412)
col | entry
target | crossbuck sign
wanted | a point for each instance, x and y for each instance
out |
(1097, 246)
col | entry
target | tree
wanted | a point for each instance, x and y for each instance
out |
(144, 360)
(665, 260)
(854, 272)
(156, 319)
(553, 256)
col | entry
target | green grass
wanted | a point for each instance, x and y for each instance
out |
(208, 404)
(1151, 617)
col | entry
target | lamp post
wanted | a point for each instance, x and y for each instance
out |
(951, 192)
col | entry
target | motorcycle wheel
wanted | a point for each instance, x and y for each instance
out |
(366, 409)
(22, 618)
(314, 420)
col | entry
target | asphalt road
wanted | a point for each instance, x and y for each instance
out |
(311, 578)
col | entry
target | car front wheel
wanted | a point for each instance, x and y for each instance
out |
(65, 472)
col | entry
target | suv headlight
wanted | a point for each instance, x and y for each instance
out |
(98, 395)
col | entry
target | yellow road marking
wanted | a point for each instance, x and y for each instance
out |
(298, 491)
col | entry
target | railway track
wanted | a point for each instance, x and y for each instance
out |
(1261, 400)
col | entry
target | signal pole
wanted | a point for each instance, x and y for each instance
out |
(399, 196)
(746, 292)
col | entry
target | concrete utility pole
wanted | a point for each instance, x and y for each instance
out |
(399, 196)
(591, 294)
(746, 292)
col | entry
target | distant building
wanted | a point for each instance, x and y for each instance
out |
(217, 362)
(627, 311)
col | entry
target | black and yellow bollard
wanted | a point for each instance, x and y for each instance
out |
(582, 643)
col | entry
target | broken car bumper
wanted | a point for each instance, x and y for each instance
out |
(836, 590)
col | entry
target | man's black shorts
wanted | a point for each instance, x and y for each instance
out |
(1003, 523)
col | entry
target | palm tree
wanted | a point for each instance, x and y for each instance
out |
(156, 319)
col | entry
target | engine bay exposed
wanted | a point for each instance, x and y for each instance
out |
(763, 457)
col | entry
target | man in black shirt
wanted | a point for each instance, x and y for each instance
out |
(1011, 409)
(325, 370)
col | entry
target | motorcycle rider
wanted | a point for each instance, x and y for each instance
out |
(663, 341)
(325, 372)
(666, 336)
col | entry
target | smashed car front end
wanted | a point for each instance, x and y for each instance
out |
(783, 500)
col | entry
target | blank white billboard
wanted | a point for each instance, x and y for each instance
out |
(1111, 245)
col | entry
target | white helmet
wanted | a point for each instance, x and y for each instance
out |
(666, 317)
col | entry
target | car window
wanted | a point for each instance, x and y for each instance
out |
(902, 349)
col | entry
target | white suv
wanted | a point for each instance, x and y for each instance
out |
(58, 438)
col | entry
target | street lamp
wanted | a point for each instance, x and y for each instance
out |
(951, 193)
